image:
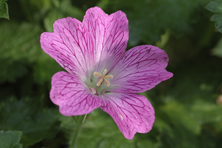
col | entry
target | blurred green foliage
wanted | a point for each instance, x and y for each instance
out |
(187, 115)
(149, 19)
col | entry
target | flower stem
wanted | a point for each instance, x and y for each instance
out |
(79, 121)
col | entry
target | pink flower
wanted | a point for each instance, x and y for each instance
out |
(100, 72)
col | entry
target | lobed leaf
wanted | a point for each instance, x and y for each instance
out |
(19, 48)
(27, 116)
(20, 41)
(218, 19)
(216, 7)
(4, 9)
(10, 139)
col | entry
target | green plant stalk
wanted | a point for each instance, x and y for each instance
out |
(79, 121)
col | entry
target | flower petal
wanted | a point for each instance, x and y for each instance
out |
(131, 112)
(140, 69)
(69, 45)
(72, 96)
(109, 34)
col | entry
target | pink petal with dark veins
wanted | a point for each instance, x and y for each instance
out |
(131, 112)
(71, 95)
(70, 45)
(140, 69)
(109, 34)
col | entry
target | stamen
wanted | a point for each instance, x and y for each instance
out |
(109, 76)
(103, 77)
(107, 82)
(97, 74)
(104, 72)
(100, 81)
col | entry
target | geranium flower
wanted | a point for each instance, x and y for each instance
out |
(100, 72)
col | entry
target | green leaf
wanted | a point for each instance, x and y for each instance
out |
(10, 139)
(20, 40)
(218, 19)
(19, 47)
(28, 116)
(4, 9)
(216, 7)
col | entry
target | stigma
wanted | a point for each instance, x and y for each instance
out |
(103, 78)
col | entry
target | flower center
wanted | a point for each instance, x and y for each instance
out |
(103, 78)
(95, 83)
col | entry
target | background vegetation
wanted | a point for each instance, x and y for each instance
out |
(188, 106)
